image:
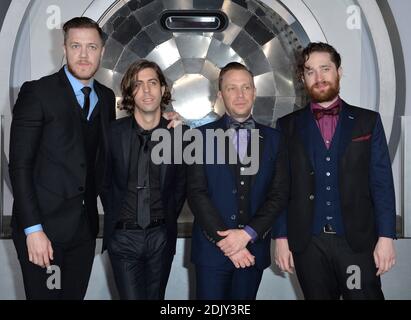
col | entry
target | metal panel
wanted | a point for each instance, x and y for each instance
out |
(175, 72)
(220, 54)
(192, 66)
(165, 54)
(237, 14)
(150, 13)
(192, 61)
(265, 85)
(192, 46)
(157, 33)
(210, 71)
(193, 97)
(126, 58)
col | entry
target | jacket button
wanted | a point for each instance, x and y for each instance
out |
(234, 191)
(311, 173)
(311, 197)
(81, 189)
(233, 217)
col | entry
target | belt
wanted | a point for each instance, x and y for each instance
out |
(329, 229)
(135, 226)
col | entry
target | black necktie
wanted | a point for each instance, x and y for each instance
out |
(143, 181)
(86, 105)
(247, 124)
(319, 113)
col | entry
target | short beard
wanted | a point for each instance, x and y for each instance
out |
(332, 92)
(77, 76)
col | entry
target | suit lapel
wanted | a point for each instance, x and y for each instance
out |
(100, 108)
(126, 136)
(164, 167)
(347, 121)
(69, 101)
(222, 124)
(304, 124)
(68, 96)
(262, 141)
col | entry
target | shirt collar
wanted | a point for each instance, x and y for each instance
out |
(315, 106)
(230, 120)
(76, 84)
(161, 124)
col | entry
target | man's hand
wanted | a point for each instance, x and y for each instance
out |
(174, 117)
(384, 255)
(39, 249)
(234, 241)
(242, 259)
(283, 257)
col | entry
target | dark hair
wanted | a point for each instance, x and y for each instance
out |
(316, 47)
(83, 22)
(129, 82)
(232, 66)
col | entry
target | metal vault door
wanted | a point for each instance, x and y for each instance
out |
(255, 35)
(264, 34)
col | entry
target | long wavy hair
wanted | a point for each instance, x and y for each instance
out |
(129, 83)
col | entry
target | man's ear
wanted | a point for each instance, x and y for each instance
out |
(340, 72)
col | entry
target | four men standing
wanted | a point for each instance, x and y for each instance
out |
(329, 171)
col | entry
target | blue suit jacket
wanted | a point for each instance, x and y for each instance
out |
(212, 196)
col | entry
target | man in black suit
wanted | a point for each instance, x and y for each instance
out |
(340, 221)
(58, 150)
(143, 196)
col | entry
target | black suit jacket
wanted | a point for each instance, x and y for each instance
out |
(364, 176)
(172, 176)
(47, 156)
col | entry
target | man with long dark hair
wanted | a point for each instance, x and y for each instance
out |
(142, 198)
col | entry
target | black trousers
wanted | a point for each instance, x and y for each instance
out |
(71, 268)
(328, 269)
(141, 262)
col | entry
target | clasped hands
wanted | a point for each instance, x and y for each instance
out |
(234, 247)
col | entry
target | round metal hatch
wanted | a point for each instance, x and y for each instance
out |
(191, 60)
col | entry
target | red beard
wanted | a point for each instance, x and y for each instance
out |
(329, 94)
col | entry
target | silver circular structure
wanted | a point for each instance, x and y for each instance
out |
(256, 36)
(264, 34)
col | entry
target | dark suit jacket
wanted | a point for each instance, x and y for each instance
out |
(364, 176)
(172, 176)
(47, 156)
(213, 201)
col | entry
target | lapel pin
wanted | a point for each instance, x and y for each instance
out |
(351, 117)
